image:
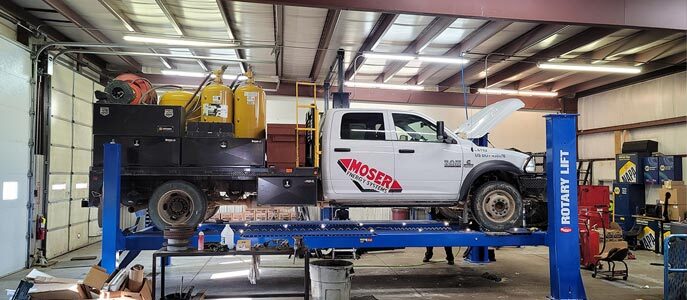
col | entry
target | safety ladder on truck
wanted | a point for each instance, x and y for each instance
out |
(313, 129)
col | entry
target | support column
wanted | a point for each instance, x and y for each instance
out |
(113, 240)
(561, 192)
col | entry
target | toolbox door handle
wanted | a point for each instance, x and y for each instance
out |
(406, 151)
(342, 149)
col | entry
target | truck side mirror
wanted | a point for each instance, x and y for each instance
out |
(441, 133)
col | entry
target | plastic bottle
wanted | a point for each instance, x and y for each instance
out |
(227, 237)
(201, 241)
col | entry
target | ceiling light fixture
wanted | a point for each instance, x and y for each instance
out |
(517, 92)
(407, 57)
(591, 68)
(405, 87)
(174, 40)
(198, 74)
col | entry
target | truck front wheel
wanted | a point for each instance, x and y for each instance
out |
(496, 206)
(177, 202)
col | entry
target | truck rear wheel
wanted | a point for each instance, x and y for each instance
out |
(496, 206)
(177, 202)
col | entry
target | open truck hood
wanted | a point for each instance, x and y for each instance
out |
(484, 120)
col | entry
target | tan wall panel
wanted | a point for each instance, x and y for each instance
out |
(93, 213)
(57, 242)
(78, 236)
(93, 229)
(83, 87)
(77, 214)
(62, 78)
(79, 187)
(83, 136)
(58, 187)
(58, 215)
(60, 160)
(60, 132)
(61, 105)
(83, 112)
(82, 161)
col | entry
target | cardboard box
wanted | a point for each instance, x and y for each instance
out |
(678, 195)
(677, 212)
(136, 278)
(45, 291)
(670, 183)
(249, 215)
(670, 167)
(651, 170)
(145, 293)
(96, 277)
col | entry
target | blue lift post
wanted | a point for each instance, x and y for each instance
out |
(562, 237)
(479, 255)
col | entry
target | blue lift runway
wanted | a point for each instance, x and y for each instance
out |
(562, 237)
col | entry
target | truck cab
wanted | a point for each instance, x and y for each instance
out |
(379, 157)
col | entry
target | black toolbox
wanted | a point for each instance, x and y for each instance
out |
(138, 120)
(222, 151)
(146, 151)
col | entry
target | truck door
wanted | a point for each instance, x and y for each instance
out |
(361, 155)
(426, 166)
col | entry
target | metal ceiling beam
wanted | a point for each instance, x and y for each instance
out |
(381, 26)
(659, 50)
(231, 30)
(325, 38)
(81, 23)
(581, 39)
(528, 39)
(129, 25)
(541, 77)
(180, 31)
(633, 41)
(428, 34)
(620, 13)
(21, 14)
(662, 67)
(474, 39)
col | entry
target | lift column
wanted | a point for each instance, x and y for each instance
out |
(561, 193)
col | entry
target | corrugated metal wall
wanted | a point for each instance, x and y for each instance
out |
(656, 99)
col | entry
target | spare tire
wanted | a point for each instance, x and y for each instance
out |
(497, 206)
(177, 202)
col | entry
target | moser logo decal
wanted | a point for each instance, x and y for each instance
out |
(566, 229)
(369, 179)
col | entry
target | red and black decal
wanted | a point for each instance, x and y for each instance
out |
(369, 179)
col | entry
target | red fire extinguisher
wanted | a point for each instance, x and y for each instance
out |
(41, 229)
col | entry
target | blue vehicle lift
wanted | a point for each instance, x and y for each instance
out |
(562, 236)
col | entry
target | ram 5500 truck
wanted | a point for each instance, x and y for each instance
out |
(369, 158)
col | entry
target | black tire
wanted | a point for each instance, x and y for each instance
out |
(497, 206)
(211, 211)
(177, 202)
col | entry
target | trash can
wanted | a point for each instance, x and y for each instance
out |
(331, 279)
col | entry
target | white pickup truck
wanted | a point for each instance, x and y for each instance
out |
(370, 157)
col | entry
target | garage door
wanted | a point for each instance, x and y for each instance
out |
(69, 225)
(15, 126)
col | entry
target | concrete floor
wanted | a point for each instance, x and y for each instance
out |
(396, 274)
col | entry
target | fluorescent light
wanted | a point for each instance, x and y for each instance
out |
(407, 57)
(173, 40)
(591, 68)
(387, 86)
(445, 60)
(517, 92)
(388, 56)
(198, 74)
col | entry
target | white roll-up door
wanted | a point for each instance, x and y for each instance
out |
(15, 131)
(70, 226)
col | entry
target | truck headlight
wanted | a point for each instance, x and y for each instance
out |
(531, 166)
